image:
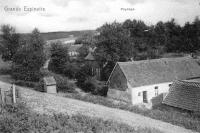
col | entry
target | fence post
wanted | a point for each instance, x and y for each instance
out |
(2, 96)
(13, 93)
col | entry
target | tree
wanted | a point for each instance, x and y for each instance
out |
(113, 44)
(173, 35)
(10, 42)
(59, 57)
(29, 58)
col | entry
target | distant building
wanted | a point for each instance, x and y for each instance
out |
(50, 85)
(146, 82)
(92, 62)
(73, 50)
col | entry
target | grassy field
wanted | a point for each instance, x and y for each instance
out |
(18, 119)
(164, 113)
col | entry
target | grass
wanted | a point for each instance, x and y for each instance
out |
(189, 120)
(18, 119)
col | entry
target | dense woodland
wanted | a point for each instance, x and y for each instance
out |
(126, 41)
(134, 40)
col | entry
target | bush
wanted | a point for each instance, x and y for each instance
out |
(5, 71)
(95, 87)
(26, 83)
(40, 86)
(71, 69)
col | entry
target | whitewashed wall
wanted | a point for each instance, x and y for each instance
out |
(137, 93)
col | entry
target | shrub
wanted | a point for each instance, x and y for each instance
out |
(40, 86)
(95, 87)
(71, 69)
(26, 83)
(5, 71)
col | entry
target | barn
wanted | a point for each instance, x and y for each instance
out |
(184, 95)
(147, 81)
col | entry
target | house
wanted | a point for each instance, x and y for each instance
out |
(142, 82)
(184, 95)
(50, 85)
(73, 50)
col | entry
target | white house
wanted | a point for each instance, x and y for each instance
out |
(147, 82)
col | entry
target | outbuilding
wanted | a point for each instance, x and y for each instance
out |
(50, 85)
(184, 95)
(148, 81)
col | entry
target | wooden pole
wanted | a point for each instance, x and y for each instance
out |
(14, 95)
(2, 96)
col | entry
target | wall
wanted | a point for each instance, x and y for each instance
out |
(51, 89)
(118, 80)
(124, 96)
(137, 93)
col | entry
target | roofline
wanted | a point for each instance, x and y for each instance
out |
(111, 73)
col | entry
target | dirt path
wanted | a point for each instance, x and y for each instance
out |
(47, 104)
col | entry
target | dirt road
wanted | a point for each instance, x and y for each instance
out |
(47, 104)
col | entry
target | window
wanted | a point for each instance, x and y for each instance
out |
(139, 94)
(156, 90)
(170, 85)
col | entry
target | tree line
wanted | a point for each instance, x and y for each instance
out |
(134, 40)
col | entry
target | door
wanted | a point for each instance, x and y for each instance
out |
(145, 97)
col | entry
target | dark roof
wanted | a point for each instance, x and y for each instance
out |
(73, 47)
(185, 95)
(49, 80)
(146, 72)
(90, 57)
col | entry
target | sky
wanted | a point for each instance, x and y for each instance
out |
(68, 15)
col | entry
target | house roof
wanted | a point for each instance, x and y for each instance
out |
(49, 80)
(72, 47)
(90, 57)
(146, 72)
(185, 95)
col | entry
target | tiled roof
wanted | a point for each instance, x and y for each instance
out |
(74, 47)
(146, 72)
(185, 95)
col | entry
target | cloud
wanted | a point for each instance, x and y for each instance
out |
(133, 2)
(77, 19)
(61, 15)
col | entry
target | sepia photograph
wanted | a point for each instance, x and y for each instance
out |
(107, 66)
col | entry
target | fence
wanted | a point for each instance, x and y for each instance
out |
(8, 96)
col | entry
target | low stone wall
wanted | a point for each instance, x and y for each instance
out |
(119, 95)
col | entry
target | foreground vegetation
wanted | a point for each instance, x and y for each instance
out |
(189, 120)
(18, 119)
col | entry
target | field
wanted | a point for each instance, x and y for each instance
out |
(17, 118)
(183, 118)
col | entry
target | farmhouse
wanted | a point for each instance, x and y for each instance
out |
(184, 95)
(73, 50)
(147, 81)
